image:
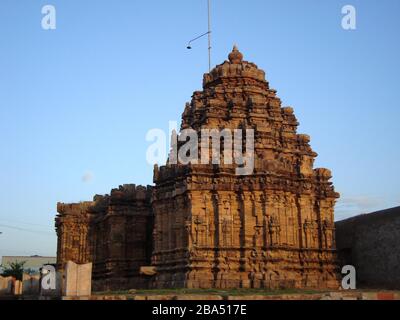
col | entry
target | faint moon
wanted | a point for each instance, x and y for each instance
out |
(87, 177)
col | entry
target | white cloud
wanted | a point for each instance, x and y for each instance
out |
(348, 206)
(360, 202)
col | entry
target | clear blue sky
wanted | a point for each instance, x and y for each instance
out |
(76, 102)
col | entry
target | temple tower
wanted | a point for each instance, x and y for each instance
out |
(272, 227)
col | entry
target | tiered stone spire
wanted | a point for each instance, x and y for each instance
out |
(269, 229)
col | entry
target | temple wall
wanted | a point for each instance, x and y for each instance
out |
(370, 243)
(113, 232)
(253, 239)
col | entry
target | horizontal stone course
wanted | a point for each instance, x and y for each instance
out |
(345, 295)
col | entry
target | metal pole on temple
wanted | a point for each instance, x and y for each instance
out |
(189, 45)
(209, 34)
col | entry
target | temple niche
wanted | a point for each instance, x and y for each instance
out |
(205, 225)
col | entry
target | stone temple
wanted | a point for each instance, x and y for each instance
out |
(205, 226)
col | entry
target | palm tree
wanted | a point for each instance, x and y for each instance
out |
(14, 269)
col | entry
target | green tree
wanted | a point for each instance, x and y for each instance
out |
(14, 269)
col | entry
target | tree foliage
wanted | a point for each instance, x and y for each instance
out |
(14, 269)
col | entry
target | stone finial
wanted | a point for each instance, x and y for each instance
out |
(235, 56)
